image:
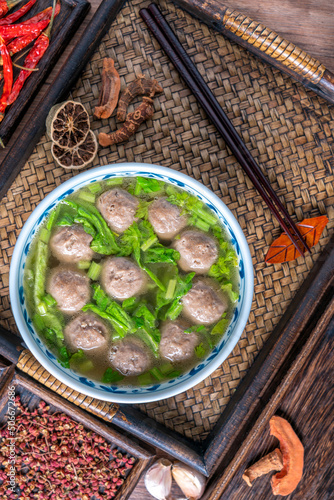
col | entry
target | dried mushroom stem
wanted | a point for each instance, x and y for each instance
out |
(143, 112)
(140, 86)
(271, 462)
(111, 86)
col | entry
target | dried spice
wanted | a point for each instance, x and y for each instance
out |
(7, 75)
(78, 157)
(68, 124)
(57, 457)
(143, 112)
(34, 56)
(271, 462)
(141, 86)
(111, 86)
(288, 460)
(282, 250)
(285, 482)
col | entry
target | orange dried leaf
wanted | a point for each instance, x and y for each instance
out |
(285, 482)
(282, 250)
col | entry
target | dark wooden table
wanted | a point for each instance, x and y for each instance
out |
(309, 24)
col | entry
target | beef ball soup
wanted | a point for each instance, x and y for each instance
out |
(131, 281)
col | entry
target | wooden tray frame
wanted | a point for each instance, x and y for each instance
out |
(20, 149)
(66, 24)
(144, 456)
(284, 346)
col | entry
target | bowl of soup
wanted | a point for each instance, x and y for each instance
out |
(131, 282)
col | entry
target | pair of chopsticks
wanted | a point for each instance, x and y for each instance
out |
(188, 71)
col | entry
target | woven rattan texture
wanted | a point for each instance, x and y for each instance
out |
(30, 365)
(287, 129)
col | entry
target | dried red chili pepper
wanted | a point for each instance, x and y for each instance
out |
(30, 62)
(43, 15)
(18, 14)
(7, 75)
(22, 42)
(13, 30)
(34, 56)
(6, 6)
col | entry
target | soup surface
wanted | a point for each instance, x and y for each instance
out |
(131, 281)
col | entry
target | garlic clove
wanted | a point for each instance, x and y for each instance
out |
(158, 479)
(191, 482)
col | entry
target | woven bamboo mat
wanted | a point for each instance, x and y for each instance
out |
(288, 130)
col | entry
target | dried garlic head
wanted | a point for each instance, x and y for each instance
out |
(191, 482)
(158, 479)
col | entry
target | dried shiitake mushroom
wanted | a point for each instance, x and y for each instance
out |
(68, 124)
(78, 157)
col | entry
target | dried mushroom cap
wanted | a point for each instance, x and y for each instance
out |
(68, 124)
(78, 157)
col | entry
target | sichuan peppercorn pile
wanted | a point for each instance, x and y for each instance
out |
(57, 458)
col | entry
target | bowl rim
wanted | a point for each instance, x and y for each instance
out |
(118, 168)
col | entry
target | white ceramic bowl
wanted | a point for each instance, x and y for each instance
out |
(131, 394)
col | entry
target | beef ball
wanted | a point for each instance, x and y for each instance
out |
(176, 345)
(197, 251)
(203, 304)
(71, 244)
(118, 207)
(69, 287)
(166, 218)
(130, 357)
(86, 331)
(121, 278)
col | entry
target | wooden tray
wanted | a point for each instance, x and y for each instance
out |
(31, 393)
(20, 150)
(289, 130)
(71, 14)
(292, 376)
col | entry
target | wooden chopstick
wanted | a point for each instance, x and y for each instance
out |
(182, 62)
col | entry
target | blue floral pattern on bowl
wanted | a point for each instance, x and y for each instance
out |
(121, 393)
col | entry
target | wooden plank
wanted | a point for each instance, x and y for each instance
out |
(24, 144)
(71, 14)
(274, 359)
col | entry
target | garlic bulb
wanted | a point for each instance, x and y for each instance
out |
(191, 482)
(158, 479)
